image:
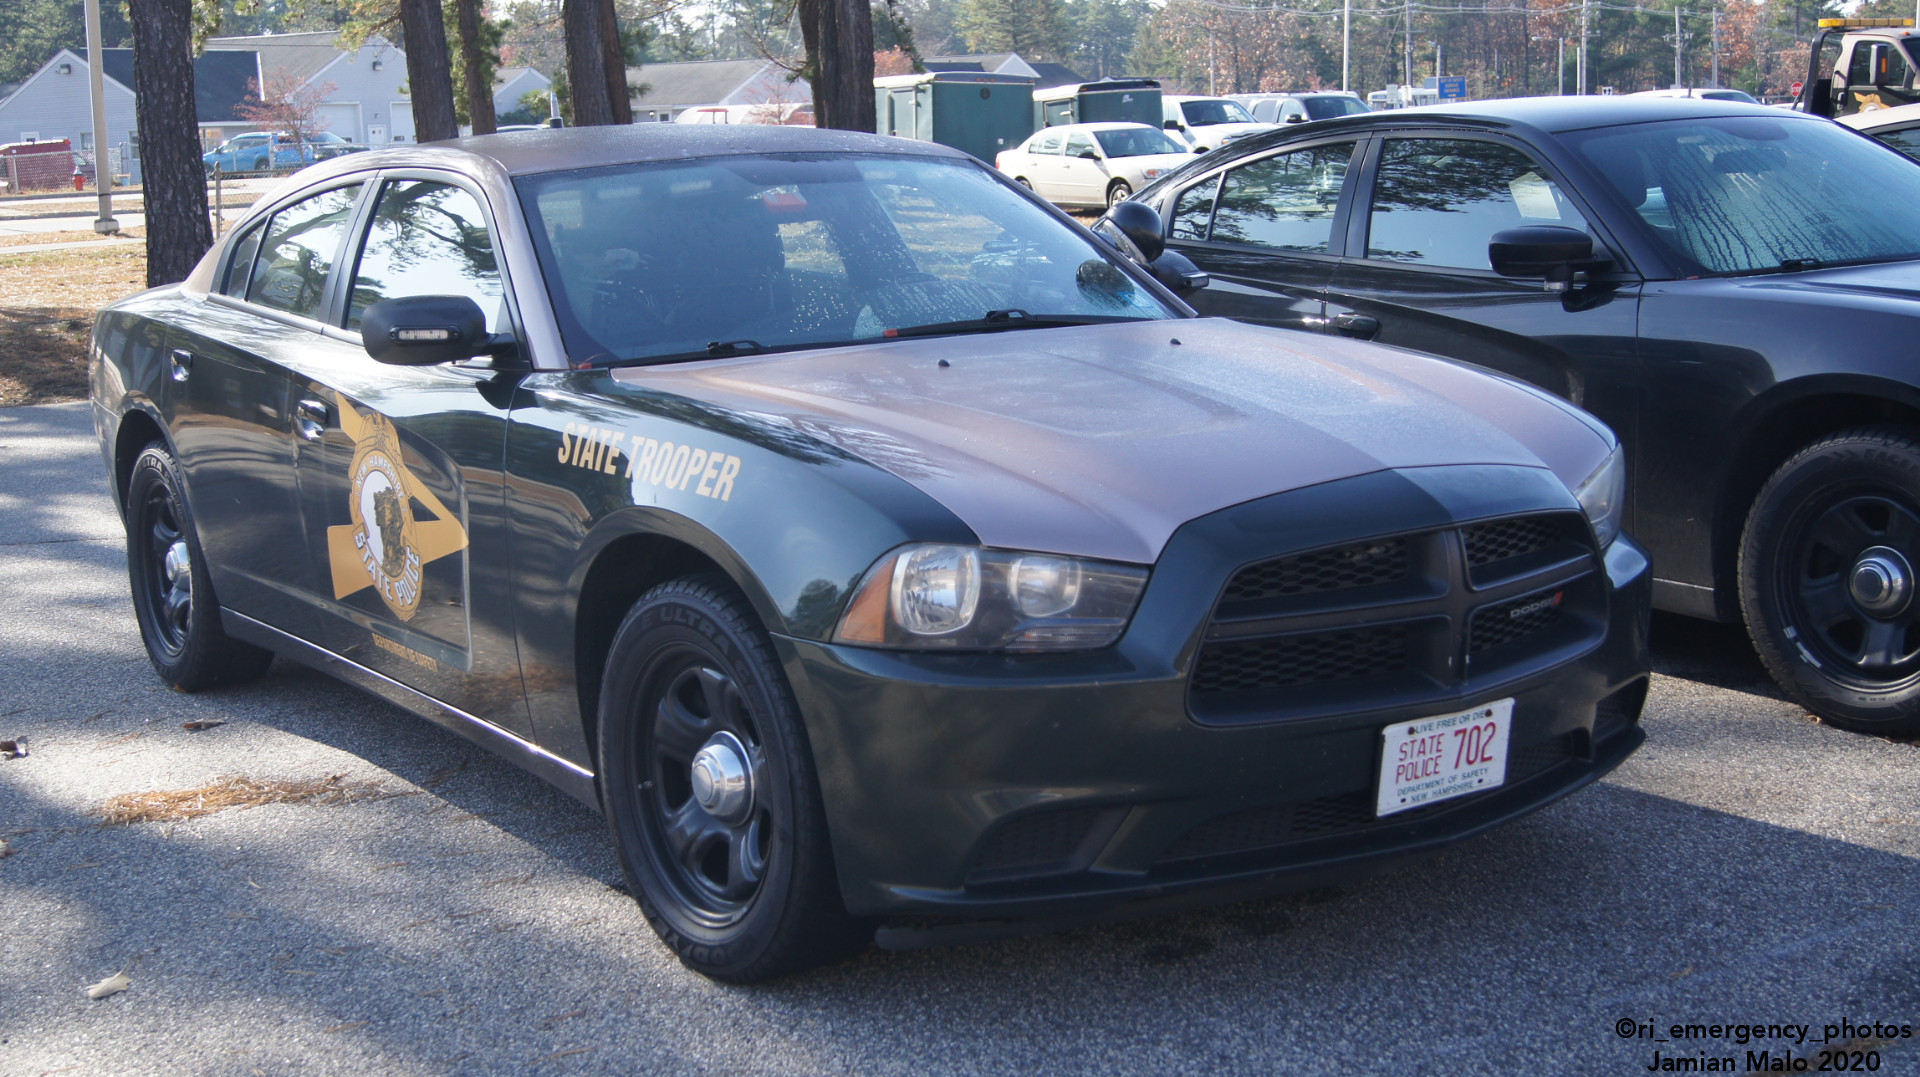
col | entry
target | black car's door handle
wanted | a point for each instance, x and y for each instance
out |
(1357, 325)
(310, 417)
(182, 362)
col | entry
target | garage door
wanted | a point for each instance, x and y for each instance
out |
(342, 120)
(402, 129)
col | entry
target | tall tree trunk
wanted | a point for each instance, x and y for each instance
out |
(619, 97)
(478, 89)
(171, 173)
(590, 74)
(428, 72)
(839, 39)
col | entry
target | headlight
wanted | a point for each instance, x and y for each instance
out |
(961, 598)
(1151, 173)
(1604, 496)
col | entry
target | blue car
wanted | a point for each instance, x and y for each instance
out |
(260, 151)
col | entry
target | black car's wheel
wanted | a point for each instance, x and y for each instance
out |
(1118, 193)
(709, 788)
(179, 618)
(1828, 575)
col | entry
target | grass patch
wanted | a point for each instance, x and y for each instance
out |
(233, 791)
(47, 303)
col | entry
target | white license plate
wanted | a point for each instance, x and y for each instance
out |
(1433, 759)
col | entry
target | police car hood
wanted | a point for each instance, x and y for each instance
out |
(1100, 441)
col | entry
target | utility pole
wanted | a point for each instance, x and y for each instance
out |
(1678, 77)
(1346, 42)
(1580, 74)
(1560, 70)
(1212, 88)
(1406, 78)
(1716, 45)
(102, 168)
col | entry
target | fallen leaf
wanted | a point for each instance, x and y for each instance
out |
(198, 724)
(13, 749)
(112, 985)
(6, 849)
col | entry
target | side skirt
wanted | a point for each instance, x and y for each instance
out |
(570, 779)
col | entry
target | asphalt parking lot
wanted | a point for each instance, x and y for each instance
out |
(1748, 866)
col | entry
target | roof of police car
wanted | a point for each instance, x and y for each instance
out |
(556, 150)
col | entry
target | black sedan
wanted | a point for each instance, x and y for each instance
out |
(864, 537)
(1732, 288)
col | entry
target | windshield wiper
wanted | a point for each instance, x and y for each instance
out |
(996, 320)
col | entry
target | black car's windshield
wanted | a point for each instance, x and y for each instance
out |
(1326, 108)
(1136, 142)
(1209, 111)
(729, 254)
(1744, 194)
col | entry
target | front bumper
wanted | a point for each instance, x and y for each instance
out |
(1044, 786)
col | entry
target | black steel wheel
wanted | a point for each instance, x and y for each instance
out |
(709, 788)
(172, 593)
(1828, 579)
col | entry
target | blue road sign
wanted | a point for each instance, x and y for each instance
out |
(1451, 87)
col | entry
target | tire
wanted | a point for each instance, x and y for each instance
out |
(260, 165)
(172, 594)
(744, 891)
(1024, 182)
(1827, 579)
(1118, 193)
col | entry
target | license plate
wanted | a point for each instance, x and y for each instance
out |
(1433, 759)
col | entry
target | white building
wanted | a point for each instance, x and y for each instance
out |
(364, 101)
(510, 84)
(663, 91)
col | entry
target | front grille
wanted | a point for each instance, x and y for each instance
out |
(1042, 840)
(1312, 658)
(1504, 539)
(1494, 626)
(1345, 567)
(1391, 620)
(1341, 813)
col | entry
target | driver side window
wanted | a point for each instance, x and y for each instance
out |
(1438, 201)
(427, 238)
(1079, 145)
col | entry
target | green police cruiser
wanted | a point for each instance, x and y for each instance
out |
(878, 549)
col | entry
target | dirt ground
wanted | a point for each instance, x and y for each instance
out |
(47, 303)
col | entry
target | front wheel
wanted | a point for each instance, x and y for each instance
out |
(710, 791)
(1828, 579)
(172, 592)
(1118, 193)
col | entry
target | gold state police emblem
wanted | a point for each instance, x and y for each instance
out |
(387, 547)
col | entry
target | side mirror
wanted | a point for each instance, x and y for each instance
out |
(1139, 225)
(1173, 125)
(1178, 273)
(1551, 251)
(1087, 155)
(424, 330)
(1296, 117)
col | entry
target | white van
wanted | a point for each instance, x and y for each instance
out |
(1207, 123)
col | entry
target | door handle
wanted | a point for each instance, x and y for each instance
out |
(182, 362)
(1363, 326)
(310, 416)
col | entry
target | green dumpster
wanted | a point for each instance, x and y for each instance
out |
(972, 111)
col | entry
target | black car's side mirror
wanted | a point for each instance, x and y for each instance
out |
(1551, 251)
(1133, 228)
(424, 330)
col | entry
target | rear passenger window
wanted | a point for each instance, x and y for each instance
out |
(302, 242)
(1286, 202)
(1194, 211)
(240, 266)
(1046, 144)
(1906, 140)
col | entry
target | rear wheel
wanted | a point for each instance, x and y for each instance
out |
(172, 593)
(710, 790)
(1828, 579)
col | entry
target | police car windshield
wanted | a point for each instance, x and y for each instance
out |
(1751, 194)
(669, 260)
(1136, 142)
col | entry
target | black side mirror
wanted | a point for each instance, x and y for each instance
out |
(1178, 273)
(1173, 125)
(1297, 117)
(424, 330)
(1087, 155)
(1140, 225)
(1551, 251)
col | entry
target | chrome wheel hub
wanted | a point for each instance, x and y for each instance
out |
(178, 565)
(1881, 581)
(722, 784)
